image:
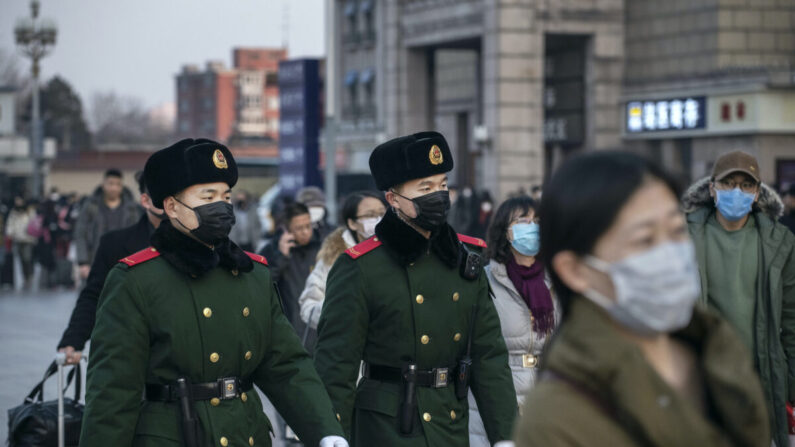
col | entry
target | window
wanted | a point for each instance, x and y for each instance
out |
(366, 79)
(366, 8)
(350, 14)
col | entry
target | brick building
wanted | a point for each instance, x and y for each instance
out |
(519, 85)
(229, 104)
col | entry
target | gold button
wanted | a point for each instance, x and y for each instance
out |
(215, 401)
(375, 239)
(208, 312)
(426, 417)
(338, 417)
(452, 414)
(246, 312)
(224, 441)
(214, 357)
(250, 440)
(425, 339)
(153, 249)
(234, 272)
(456, 296)
(457, 337)
(248, 355)
(420, 299)
(243, 397)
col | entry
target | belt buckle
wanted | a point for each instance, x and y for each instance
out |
(440, 377)
(228, 387)
(529, 361)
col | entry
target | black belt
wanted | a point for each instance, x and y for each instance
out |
(428, 378)
(226, 388)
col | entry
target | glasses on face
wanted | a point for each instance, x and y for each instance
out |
(745, 185)
(526, 220)
(301, 228)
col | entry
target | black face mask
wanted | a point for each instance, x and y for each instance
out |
(431, 209)
(215, 221)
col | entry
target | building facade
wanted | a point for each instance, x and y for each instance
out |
(231, 104)
(519, 85)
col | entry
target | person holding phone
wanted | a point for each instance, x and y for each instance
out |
(291, 254)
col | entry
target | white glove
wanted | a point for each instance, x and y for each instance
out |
(505, 444)
(333, 441)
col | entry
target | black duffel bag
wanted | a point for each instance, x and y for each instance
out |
(35, 422)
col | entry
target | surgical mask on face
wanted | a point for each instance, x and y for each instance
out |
(316, 213)
(734, 204)
(526, 238)
(431, 209)
(215, 221)
(368, 226)
(655, 290)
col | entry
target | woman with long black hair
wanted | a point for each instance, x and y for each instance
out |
(522, 295)
(634, 362)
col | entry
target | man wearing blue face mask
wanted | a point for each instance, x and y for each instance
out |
(747, 265)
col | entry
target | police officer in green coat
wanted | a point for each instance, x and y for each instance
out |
(412, 304)
(187, 327)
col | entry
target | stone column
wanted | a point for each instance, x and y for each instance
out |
(512, 58)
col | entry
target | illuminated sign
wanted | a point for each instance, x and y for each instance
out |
(667, 115)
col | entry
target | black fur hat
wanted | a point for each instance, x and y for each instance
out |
(186, 163)
(411, 157)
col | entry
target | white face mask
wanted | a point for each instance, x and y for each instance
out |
(316, 213)
(368, 226)
(655, 290)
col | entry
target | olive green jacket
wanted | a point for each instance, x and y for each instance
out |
(386, 310)
(774, 319)
(597, 389)
(155, 323)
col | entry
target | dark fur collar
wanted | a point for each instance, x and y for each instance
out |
(408, 245)
(192, 258)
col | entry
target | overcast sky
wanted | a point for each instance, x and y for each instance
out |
(135, 47)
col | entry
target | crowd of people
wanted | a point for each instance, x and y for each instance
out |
(619, 308)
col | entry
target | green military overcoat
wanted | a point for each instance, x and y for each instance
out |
(398, 298)
(163, 316)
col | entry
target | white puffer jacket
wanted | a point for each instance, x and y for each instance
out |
(311, 299)
(520, 339)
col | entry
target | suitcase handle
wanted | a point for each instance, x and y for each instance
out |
(37, 394)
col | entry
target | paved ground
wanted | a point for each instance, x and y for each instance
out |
(31, 324)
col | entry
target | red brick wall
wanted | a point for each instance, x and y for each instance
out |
(225, 105)
(258, 58)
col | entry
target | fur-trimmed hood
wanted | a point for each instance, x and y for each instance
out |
(335, 244)
(697, 196)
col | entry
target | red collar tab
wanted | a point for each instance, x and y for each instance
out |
(142, 256)
(472, 240)
(364, 247)
(257, 258)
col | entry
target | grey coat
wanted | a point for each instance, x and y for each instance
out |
(520, 339)
(91, 224)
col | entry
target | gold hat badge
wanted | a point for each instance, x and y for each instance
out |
(436, 155)
(219, 160)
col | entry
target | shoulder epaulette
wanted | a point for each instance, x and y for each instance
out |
(364, 247)
(472, 240)
(257, 258)
(144, 255)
